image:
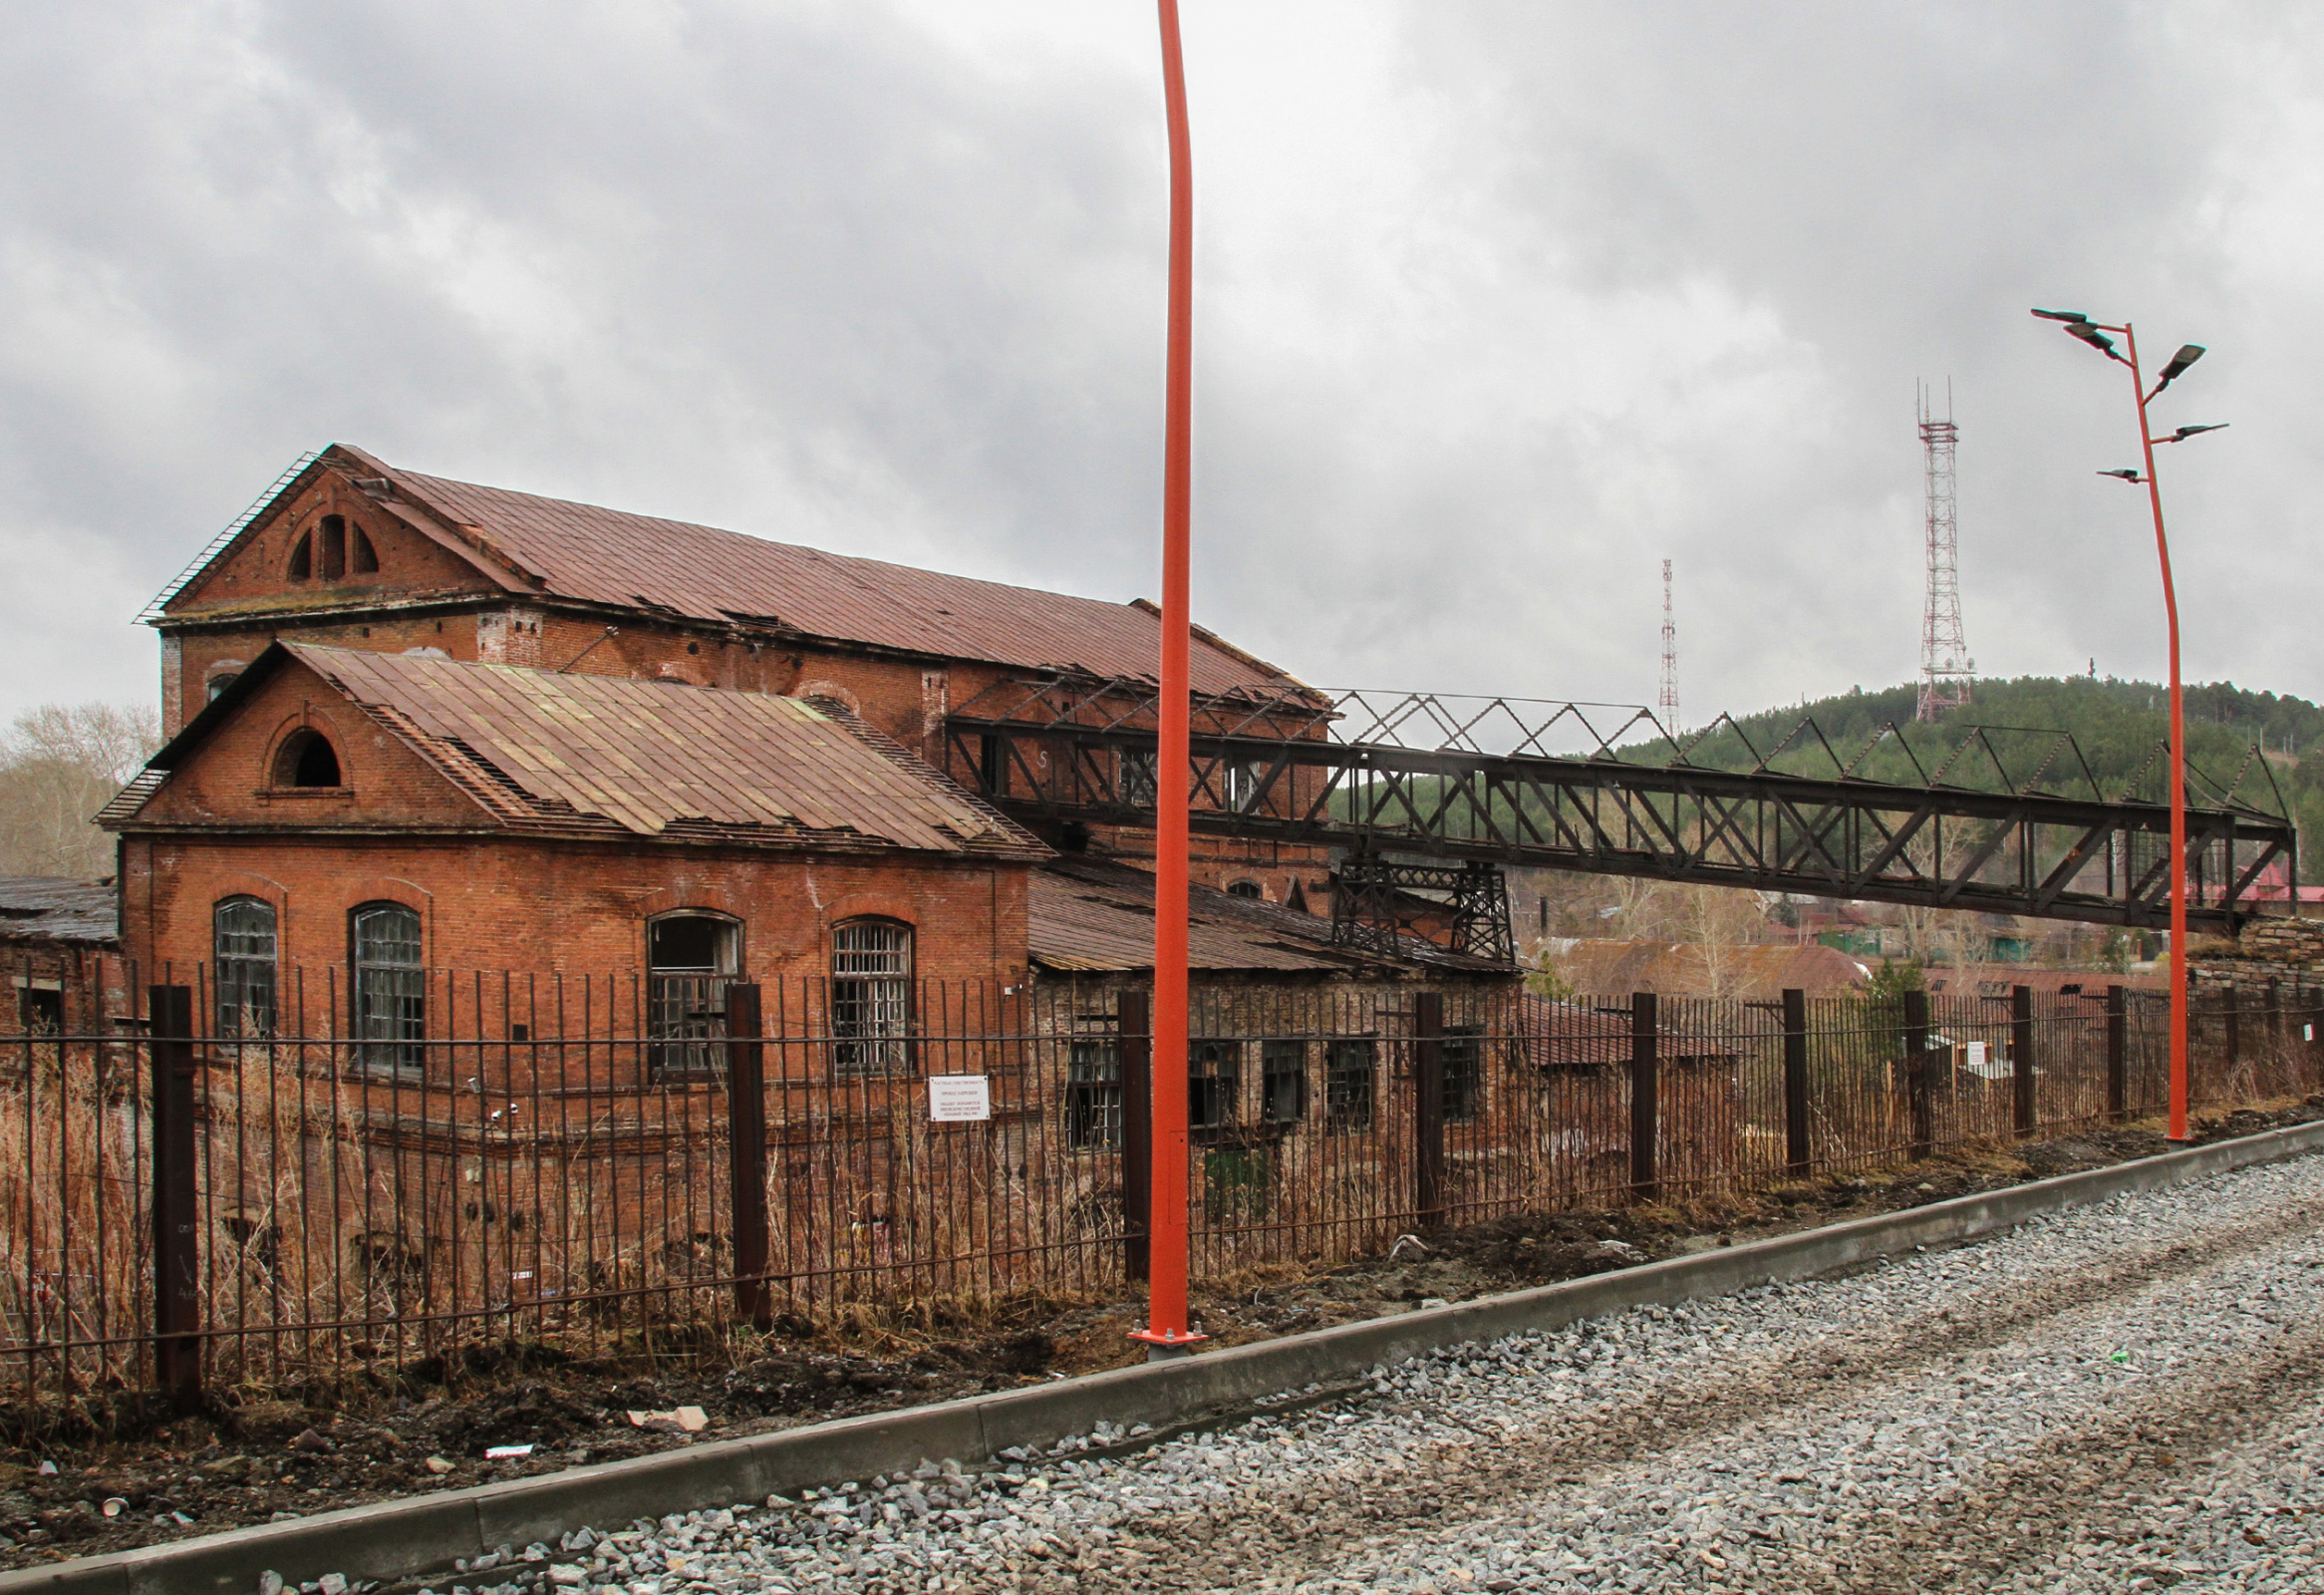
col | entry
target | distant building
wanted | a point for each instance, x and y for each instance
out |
(1693, 969)
(62, 952)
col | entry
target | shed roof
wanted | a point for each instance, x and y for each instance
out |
(564, 549)
(1094, 916)
(609, 754)
(57, 908)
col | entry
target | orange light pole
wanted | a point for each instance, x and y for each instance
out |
(2094, 334)
(1166, 1334)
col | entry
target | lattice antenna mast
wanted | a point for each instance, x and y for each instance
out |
(1947, 670)
(1667, 704)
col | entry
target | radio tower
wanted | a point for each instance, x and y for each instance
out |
(1669, 703)
(1945, 666)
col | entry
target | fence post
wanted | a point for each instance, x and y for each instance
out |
(2231, 1015)
(747, 1144)
(2118, 1056)
(1135, 1053)
(1646, 1081)
(1796, 1148)
(2022, 1050)
(1428, 1108)
(177, 1239)
(1917, 1092)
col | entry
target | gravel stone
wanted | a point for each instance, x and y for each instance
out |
(2117, 1398)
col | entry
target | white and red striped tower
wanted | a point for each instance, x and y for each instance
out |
(1945, 666)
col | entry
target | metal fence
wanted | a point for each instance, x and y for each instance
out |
(263, 1185)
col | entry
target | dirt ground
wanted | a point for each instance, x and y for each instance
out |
(252, 1464)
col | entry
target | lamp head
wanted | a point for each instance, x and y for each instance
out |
(2127, 476)
(2061, 315)
(2185, 433)
(2093, 337)
(2188, 354)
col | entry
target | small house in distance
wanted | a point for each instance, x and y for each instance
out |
(60, 943)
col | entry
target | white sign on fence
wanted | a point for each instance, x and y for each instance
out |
(1977, 1055)
(959, 1099)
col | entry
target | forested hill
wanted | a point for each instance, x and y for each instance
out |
(2117, 725)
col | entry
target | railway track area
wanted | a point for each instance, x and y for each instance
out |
(2121, 1396)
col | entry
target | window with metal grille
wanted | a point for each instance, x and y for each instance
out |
(1137, 776)
(689, 961)
(1093, 1097)
(242, 955)
(391, 991)
(871, 997)
(1282, 1081)
(1239, 784)
(1463, 1053)
(1348, 1070)
(1213, 1071)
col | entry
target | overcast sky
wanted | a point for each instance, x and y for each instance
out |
(1498, 305)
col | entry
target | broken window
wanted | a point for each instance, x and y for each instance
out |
(306, 758)
(871, 997)
(689, 960)
(331, 557)
(391, 991)
(41, 1010)
(1093, 1097)
(1462, 1051)
(242, 948)
(1240, 783)
(1348, 1068)
(1137, 776)
(1213, 1071)
(1282, 1081)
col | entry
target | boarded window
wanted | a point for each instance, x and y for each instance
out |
(242, 948)
(1093, 1097)
(330, 556)
(1348, 1070)
(1282, 1081)
(391, 991)
(871, 997)
(690, 958)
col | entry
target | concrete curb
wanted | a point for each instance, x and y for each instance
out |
(415, 1535)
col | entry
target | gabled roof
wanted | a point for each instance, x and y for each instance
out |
(586, 553)
(606, 756)
(57, 908)
(1091, 915)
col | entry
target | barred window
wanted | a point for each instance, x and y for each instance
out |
(1348, 1068)
(1282, 1081)
(391, 990)
(1093, 1097)
(1463, 1053)
(242, 953)
(689, 961)
(1213, 1071)
(871, 997)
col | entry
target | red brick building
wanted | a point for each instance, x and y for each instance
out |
(352, 553)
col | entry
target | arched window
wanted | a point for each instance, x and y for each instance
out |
(219, 681)
(690, 958)
(871, 997)
(331, 560)
(391, 991)
(1245, 889)
(306, 758)
(302, 563)
(359, 557)
(242, 948)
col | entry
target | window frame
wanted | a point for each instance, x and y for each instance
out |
(233, 974)
(886, 1049)
(1093, 1101)
(1272, 1054)
(1462, 1087)
(1214, 1076)
(699, 1043)
(1348, 1110)
(397, 1056)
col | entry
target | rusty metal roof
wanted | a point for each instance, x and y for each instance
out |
(57, 908)
(543, 751)
(1094, 916)
(611, 556)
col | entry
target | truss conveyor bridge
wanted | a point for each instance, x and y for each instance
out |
(2011, 821)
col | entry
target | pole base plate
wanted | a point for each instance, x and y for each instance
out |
(1167, 1346)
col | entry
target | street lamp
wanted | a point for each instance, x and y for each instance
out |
(2095, 333)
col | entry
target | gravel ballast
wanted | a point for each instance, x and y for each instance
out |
(2116, 1397)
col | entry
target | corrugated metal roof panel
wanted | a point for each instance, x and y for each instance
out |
(647, 755)
(613, 556)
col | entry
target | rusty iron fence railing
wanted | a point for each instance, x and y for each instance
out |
(260, 1187)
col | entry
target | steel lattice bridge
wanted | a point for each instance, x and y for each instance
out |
(2011, 822)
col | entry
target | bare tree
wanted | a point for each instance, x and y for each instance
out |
(58, 765)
